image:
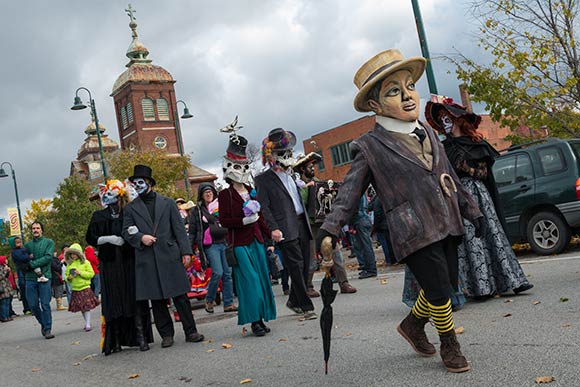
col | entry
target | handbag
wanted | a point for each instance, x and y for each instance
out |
(231, 258)
(207, 240)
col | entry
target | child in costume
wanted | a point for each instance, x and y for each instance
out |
(79, 273)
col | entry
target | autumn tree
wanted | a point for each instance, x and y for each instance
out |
(168, 170)
(71, 212)
(533, 77)
(40, 211)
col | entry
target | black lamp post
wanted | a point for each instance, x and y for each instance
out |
(185, 115)
(4, 174)
(79, 105)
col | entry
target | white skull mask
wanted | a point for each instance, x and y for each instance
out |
(285, 158)
(141, 185)
(111, 196)
(236, 171)
(447, 124)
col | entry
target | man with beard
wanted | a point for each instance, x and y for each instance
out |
(422, 196)
(38, 293)
(285, 215)
(153, 226)
(305, 168)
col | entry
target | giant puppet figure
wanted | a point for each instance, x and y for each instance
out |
(423, 199)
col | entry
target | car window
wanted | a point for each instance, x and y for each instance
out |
(524, 170)
(552, 160)
(504, 171)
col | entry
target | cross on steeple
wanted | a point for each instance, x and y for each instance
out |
(131, 12)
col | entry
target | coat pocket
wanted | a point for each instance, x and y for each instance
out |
(403, 223)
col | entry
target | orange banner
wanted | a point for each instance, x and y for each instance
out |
(14, 221)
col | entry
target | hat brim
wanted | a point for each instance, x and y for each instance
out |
(433, 110)
(152, 180)
(291, 142)
(415, 65)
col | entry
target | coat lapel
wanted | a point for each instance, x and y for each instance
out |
(382, 135)
(160, 206)
(142, 211)
(279, 183)
(435, 149)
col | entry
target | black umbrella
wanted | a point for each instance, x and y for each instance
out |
(328, 294)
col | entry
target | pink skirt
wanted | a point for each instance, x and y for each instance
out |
(83, 301)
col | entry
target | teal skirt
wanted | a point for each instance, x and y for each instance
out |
(252, 279)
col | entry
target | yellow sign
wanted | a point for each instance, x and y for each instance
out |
(14, 221)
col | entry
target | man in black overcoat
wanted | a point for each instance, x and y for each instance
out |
(153, 226)
(424, 201)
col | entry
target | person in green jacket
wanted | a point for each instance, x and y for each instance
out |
(38, 294)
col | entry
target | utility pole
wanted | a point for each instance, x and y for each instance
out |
(424, 48)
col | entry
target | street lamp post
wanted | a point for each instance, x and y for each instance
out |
(79, 105)
(185, 115)
(4, 174)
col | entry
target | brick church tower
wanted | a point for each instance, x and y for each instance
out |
(145, 101)
(145, 107)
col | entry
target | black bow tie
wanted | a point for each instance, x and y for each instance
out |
(420, 133)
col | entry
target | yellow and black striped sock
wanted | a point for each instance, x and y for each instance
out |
(421, 307)
(442, 317)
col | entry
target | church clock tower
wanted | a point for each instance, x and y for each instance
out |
(145, 102)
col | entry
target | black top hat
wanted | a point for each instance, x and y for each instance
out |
(237, 149)
(142, 171)
(281, 139)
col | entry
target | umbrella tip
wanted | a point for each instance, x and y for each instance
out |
(326, 368)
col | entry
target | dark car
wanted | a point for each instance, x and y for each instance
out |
(539, 187)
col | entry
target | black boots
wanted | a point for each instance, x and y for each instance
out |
(140, 330)
(412, 329)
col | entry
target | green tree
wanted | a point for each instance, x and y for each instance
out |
(72, 211)
(167, 169)
(40, 210)
(533, 77)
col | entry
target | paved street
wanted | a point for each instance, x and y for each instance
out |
(509, 341)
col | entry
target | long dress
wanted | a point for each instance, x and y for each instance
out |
(487, 265)
(119, 307)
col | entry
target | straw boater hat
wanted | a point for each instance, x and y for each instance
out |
(433, 110)
(379, 67)
(187, 206)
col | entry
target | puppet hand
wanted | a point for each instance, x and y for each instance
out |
(322, 233)
(117, 240)
(250, 219)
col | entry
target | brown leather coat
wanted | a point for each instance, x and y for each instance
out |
(418, 212)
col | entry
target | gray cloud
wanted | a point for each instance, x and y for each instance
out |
(275, 63)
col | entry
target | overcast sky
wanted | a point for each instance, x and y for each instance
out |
(283, 64)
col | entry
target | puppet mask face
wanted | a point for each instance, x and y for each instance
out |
(238, 172)
(141, 185)
(398, 98)
(284, 158)
(447, 124)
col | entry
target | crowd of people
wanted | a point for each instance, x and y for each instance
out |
(432, 205)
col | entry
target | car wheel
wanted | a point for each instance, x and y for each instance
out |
(548, 233)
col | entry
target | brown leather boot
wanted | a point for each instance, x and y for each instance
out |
(451, 354)
(412, 329)
(345, 287)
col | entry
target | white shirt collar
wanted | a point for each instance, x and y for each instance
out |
(394, 125)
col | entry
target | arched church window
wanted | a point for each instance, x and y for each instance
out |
(162, 109)
(148, 112)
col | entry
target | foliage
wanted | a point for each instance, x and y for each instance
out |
(71, 212)
(168, 170)
(534, 76)
(4, 235)
(40, 210)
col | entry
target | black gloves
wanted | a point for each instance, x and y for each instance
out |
(478, 224)
(322, 233)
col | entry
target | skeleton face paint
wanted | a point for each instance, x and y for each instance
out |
(141, 185)
(447, 124)
(398, 97)
(238, 172)
(110, 197)
(284, 158)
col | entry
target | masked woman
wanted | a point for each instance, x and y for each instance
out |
(487, 265)
(240, 214)
(126, 321)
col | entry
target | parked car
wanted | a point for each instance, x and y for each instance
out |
(539, 187)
